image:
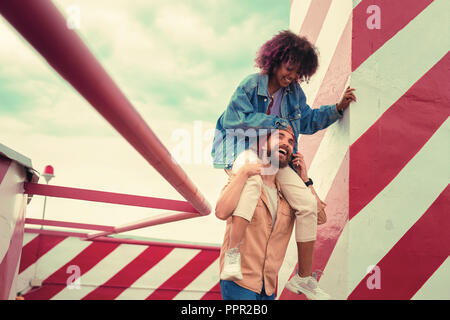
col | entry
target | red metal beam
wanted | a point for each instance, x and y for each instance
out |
(44, 27)
(122, 240)
(107, 197)
(66, 224)
(166, 218)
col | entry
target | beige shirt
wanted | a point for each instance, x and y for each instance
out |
(272, 196)
(263, 248)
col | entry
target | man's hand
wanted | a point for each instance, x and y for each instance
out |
(348, 97)
(250, 168)
(299, 163)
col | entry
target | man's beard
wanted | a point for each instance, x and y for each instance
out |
(276, 160)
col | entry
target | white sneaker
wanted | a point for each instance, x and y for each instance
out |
(232, 265)
(308, 286)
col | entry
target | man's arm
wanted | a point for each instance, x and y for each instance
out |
(231, 193)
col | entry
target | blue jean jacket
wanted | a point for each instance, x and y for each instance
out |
(247, 112)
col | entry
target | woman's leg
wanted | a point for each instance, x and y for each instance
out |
(246, 206)
(304, 204)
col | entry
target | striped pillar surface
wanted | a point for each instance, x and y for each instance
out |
(383, 169)
(12, 217)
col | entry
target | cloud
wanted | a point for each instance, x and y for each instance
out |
(177, 62)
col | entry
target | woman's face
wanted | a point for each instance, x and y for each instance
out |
(286, 73)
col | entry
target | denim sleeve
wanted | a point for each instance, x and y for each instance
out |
(241, 113)
(313, 120)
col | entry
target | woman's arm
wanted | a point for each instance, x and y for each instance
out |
(231, 193)
(313, 120)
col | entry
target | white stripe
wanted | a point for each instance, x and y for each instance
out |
(330, 155)
(102, 271)
(387, 74)
(335, 277)
(53, 260)
(14, 285)
(202, 284)
(299, 8)
(356, 2)
(332, 29)
(12, 202)
(437, 286)
(27, 237)
(399, 205)
(159, 274)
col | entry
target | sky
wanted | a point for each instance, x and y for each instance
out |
(177, 61)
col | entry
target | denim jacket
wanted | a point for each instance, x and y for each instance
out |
(247, 110)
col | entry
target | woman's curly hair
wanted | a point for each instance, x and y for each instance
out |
(288, 47)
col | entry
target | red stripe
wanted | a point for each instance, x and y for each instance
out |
(395, 15)
(85, 260)
(213, 294)
(36, 248)
(4, 165)
(395, 138)
(415, 257)
(328, 234)
(169, 289)
(129, 274)
(108, 197)
(314, 19)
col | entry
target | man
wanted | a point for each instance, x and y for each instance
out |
(267, 229)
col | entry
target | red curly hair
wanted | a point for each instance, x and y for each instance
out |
(287, 47)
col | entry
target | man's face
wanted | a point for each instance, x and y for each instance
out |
(281, 145)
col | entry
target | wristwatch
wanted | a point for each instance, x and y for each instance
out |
(309, 182)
